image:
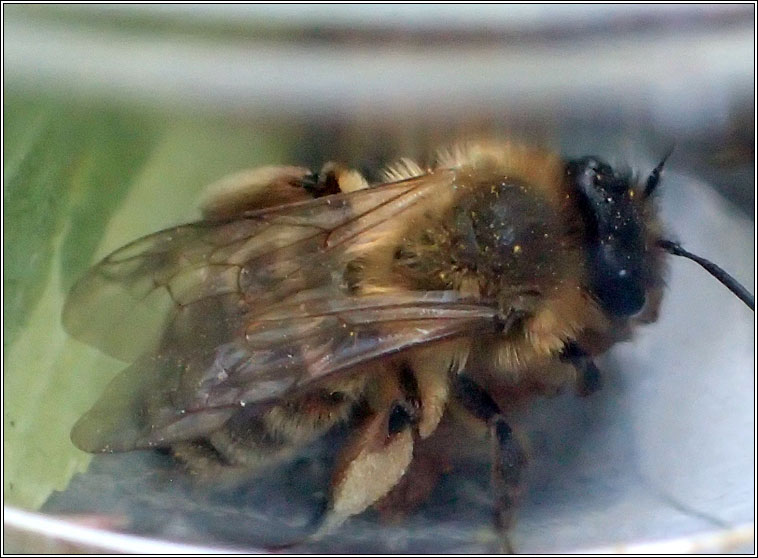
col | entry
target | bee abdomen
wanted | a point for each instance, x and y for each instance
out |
(248, 441)
(256, 438)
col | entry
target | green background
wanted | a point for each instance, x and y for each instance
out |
(80, 180)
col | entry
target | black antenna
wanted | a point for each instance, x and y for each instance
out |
(655, 176)
(727, 280)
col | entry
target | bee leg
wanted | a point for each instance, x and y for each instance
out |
(373, 461)
(509, 460)
(508, 456)
(589, 378)
(426, 390)
(368, 467)
(333, 178)
(253, 189)
(431, 460)
(270, 186)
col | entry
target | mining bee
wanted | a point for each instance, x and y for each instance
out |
(304, 300)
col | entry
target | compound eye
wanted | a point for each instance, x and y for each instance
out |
(614, 237)
(601, 177)
(617, 279)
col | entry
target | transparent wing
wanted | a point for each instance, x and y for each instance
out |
(184, 394)
(290, 348)
(216, 315)
(123, 303)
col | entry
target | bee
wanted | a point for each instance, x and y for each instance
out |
(304, 300)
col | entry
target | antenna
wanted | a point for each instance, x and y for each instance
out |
(727, 280)
(655, 176)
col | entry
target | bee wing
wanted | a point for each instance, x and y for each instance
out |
(187, 391)
(227, 313)
(288, 349)
(242, 266)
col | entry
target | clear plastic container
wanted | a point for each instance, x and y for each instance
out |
(117, 116)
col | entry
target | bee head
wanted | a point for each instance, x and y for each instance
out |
(618, 256)
(614, 234)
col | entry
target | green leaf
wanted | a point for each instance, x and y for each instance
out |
(81, 181)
